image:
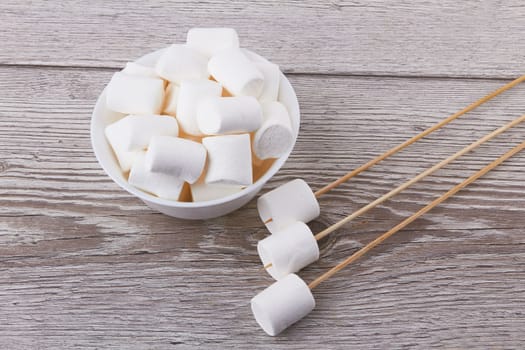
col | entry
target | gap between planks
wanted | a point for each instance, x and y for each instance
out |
(292, 73)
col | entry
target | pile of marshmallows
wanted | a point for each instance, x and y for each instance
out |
(204, 114)
(290, 247)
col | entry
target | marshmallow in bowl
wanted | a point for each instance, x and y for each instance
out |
(236, 73)
(136, 69)
(131, 94)
(286, 204)
(229, 160)
(125, 159)
(202, 192)
(227, 115)
(180, 62)
(288, 250)
(134, 132)
(162, 185)
(191, 93)
(282, 304)
(275, 137)
(210, 41)
(272, 80)
(172, 96)
(177, 157)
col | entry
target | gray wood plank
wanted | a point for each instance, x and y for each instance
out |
(85, 265)
(445, 38)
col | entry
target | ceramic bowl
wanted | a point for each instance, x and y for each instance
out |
(102, 117)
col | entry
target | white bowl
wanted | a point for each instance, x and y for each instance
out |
(102, 117)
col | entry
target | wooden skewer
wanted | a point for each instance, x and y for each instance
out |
(410, 141)
(415, 179)
(414, 139)
(414, 216)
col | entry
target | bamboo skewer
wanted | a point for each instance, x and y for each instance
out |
(415, 138)
(410, 141)
(414, 216)
(415, 179)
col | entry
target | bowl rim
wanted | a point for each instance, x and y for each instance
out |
(149, 59)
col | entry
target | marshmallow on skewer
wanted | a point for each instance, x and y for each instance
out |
(282, 304)
(236, 73)
(134, 132)
(162, 185)
(210, 41)
(177, 157)
(136, 69)
(202, 192)
(226, 115)
(286, 204)
(191, 93)
(172, 96)
(272, 80)
(275, 136)
(134, 94)
(229, 160)
(288, 251)
(181, 62)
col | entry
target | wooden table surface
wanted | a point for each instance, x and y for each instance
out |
(86, 265)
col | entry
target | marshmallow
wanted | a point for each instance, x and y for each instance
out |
(134, 95)
(180, 62)
(226, 115)
(236, 73)
(126, 159)
(286, 204)
(202, 192)
(134, 132)
(272, 80)
(282, 304)
(288, 251)
(190, 94)
(229, 160)
(177, 157)
(210, 41)
(161, 185)
(275, 136)
(136, 69)
(172, 96)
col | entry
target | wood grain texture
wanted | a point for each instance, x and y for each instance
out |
(400, 37)
(85, 265)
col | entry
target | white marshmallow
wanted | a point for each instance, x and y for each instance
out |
(210, 41)
(272, 80)
(134, 95)
(162, 185)
(180, 62)
(190, 94)
(177, 157)
(275, 136)
(126, 159)
(202, 192)
(236, 73)
(286, 204)
(134, 132)
(136, 69)
(288, 251)
(172, 96)
(282, 304)
(229, 160)
(227, 115)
